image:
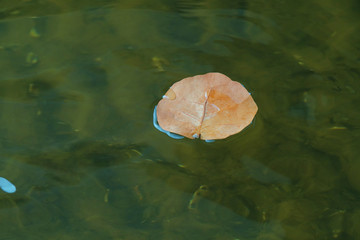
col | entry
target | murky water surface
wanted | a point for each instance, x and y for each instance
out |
(78, 84)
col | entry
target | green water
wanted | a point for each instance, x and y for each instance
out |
(78, 84)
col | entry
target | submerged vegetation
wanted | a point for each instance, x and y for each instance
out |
(78, 85)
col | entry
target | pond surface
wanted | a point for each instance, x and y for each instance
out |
(78, 85)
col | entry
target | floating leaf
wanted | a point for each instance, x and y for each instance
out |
(209, 106)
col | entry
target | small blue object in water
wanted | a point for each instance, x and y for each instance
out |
(170, 134)
(7, 186)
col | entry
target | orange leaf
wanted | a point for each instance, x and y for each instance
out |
(209, 106)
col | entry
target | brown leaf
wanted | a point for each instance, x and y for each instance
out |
(209, 106)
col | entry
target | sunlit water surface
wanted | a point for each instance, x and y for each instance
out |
(78, 84)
